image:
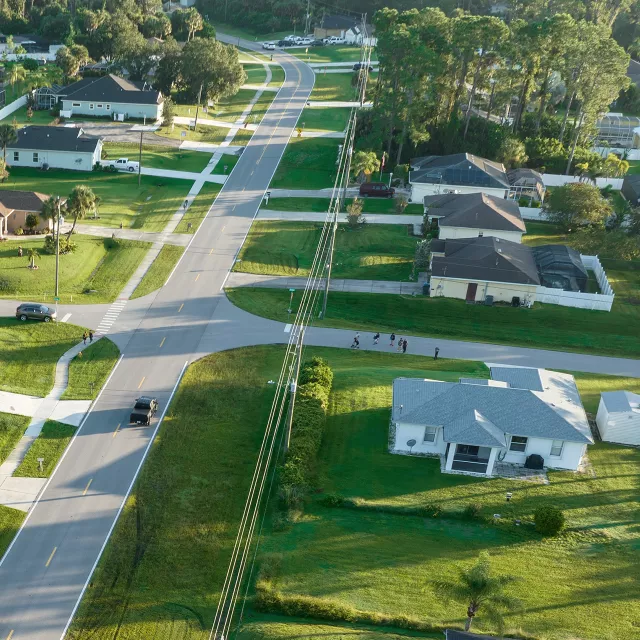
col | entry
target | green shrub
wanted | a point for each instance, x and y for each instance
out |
(19, 231)
(549, 520)
(472, 511)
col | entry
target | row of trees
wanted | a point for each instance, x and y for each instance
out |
(442, 79)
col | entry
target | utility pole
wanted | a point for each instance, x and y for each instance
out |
(307, 22)
(292, 390)
(57, 244)
(327, 279)
(195, 124)
(140, 158)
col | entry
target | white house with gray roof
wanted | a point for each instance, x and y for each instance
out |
(618, 417)
(475, 423)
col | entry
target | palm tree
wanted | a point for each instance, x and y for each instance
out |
(364, 163)
(32, 254)
(17, 73)
(8, 135)
(479, 589)
(81, 201)
(50, 210)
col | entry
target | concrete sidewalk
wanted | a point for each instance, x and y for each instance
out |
(182, 175)
(338, 103)
(209, 122)
(319, 134)
(314, 216)
(178, 239)
(309, 193)
(207, 147)
(237, 279)
(320, 65)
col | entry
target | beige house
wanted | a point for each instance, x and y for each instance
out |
(474, 214)
(15, 206)
(483, 269)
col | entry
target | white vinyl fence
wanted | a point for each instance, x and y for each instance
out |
(596, 301)
(14, 106)
(555, 180)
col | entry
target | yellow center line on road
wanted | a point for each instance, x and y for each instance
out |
(196, 280)
(53, 553)
(84, 493)
(163, 339)
(210, 252)
(141, 381)
(10, 635)
(180, 309)
(117, 429)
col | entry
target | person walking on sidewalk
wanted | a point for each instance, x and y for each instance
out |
(392, 338)
(85, 335)
(376, 338)
(356, 342)
(404, 346)
(90, 336)
(435, 353)
(400, 345)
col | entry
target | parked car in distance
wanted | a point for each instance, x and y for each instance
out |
(360, 65)
(270, 46)
(285, 43)
(306, 41)
(318, 43)
(143, 410)
(376, 190)
(336, 40)
(35, 311)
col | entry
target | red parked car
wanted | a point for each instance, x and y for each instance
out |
(376, 190)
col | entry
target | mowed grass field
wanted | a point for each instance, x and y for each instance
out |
(161, 577)
(322, 119)
(87, 373)
(158, 157)
(159, 270)
(333, 86)
(370, 252)
(95, 272)
(308, 163)
(200, 206)
(148, 206)
(49, 445)
(30, 351)
(370, 205)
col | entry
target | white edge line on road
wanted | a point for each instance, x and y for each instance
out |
(284, 148)
(287, 328)
(62, 457)
(66, 317)
(124, 500)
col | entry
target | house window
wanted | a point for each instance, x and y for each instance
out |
(518, 443)
(91, 106)
(556, 448)
(16, 156)
(35, 156)
(480, 234)
(99, 106)
(108, 107)
(76, 104)
(430, 434)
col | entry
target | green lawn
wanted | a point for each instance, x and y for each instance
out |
(228, 109)
(20, 117)
(228, 160)
(634, 167)
(245, 34)
(88, 372)
(95, 272)
(330, 53)
(159, 270)
(256, 73)
(158, 157)
(242, 137)
(199, 207)
(277, 75)
(12, 428)
(50, 445)
(149, 206)
(10, 521)
(318, 119)
(372, 252)
(203, 133)
(260, 107)
(543, 326)
(308, 163)
(320, 205)
(333, 86)
(30, 351)
(163, 568)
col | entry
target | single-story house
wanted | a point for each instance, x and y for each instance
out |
(15, 206)
(618, 417)
(338, 26)
(112, 97)
(476, 424)
(560, 267)
(631, 188)
(57, 147)
(472, 269)
(466, 173)
(465, 215)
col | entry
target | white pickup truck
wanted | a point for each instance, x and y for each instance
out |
(124, 164)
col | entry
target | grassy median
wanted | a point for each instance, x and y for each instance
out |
(50, 445)
(88, 372)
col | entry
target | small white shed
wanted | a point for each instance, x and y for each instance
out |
(618, 417)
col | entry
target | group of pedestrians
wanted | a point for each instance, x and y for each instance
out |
(403, 343)
(86, 335)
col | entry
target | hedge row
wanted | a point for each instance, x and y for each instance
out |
(309, 417)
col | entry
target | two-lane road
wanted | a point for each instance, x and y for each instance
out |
(43, 574)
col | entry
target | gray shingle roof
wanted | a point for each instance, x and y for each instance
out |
(518, 377)
(111, 88)
(458, 169)
(474, 428)
(475, 211)
(487, 258)
(511, 411)
(46, 138)
(619, 401)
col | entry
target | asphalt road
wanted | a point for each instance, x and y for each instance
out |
(43, 574)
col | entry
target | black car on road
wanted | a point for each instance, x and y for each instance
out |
(144, 409)
(361, 65)
(35, 311)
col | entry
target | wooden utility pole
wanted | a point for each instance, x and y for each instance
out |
(292, 391)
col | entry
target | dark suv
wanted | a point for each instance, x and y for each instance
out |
(143, 410)
(376, 190)
(34, 311)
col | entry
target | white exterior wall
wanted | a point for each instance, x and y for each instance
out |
(572, 453)
(419, 191)
(448, 233)
(138, 111)
(77, 161)
(618, 427)
(452, 288)
(406, 432)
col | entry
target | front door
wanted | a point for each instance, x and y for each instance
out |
(472, 287)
